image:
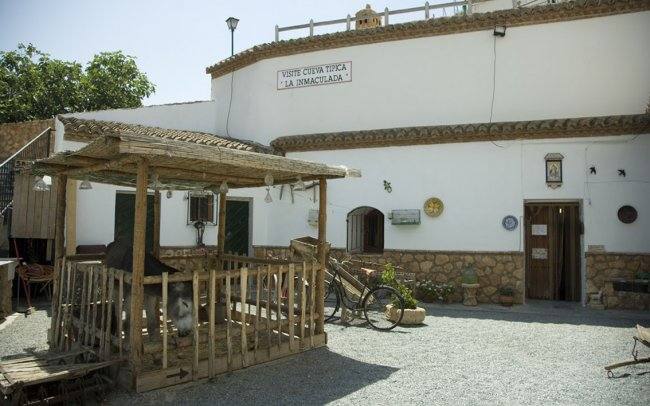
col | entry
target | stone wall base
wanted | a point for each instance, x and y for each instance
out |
(603, 268)
(494, 269)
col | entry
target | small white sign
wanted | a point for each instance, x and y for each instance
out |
(538, 229)
(539, 253)
(326, 74)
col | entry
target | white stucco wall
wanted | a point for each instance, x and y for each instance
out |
(480, 183)
(589, 67)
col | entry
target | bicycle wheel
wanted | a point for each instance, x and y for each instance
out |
(332, 300)
(375, 308)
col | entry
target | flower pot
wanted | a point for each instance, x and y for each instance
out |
(469, 293)
(411, 316)
(506, 300)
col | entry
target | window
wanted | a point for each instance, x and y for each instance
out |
(201, 207)
(365, 230)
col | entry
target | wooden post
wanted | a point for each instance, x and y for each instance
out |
(212, 320)
(156, 223)
(290, 304)
(322, 255)
(221, 228)
(71, 217)
(137, 289)
(243, 284)
(165, 284)
(196, 342)
(59, 237)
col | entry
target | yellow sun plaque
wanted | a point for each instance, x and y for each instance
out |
(433, 207)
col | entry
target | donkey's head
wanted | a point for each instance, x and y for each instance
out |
(179, 306)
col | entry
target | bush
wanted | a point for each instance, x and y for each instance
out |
(388, 278)
(435, 291)
(506, 291)
(469, 276)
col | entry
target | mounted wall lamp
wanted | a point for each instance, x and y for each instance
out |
(500, 31)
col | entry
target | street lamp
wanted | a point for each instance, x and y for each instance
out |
(232, 24)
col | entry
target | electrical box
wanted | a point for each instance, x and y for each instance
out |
(400, 217)
(312, 218)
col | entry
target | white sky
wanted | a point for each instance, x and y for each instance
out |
(173, 41)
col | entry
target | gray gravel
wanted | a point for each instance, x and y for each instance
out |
(542, 354)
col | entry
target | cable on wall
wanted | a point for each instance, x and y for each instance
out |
(232, 79)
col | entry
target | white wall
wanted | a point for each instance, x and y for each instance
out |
(589, 67)
(480, 183)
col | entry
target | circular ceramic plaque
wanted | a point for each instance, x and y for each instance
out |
(433, 207)
(627, 214)
(510, 222)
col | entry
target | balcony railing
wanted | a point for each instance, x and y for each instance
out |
(428, 11)
(38, 147)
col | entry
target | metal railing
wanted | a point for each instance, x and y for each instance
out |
(38, 147)
(428, 9)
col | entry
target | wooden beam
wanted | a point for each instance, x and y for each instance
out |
(71, 218)
(139, 242)
(59, 237)
(322, 254)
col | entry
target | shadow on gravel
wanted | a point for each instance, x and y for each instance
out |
(606, 318)
(314, 377)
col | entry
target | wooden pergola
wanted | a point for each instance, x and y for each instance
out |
(150, 162)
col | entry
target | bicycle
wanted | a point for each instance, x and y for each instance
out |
(373, 301)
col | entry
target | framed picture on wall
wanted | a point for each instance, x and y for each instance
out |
(553, 170)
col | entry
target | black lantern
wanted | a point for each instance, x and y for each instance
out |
(232, 24)
(200, 229)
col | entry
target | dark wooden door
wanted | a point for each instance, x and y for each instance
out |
(124, 215)
(237, 227)
(552, 251)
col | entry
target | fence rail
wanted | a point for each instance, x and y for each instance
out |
(428, 9)
(244, 311)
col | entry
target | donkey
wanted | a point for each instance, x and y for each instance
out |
(119, 255)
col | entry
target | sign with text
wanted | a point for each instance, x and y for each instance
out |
(326, 74)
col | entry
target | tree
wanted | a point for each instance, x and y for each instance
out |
(35, 86)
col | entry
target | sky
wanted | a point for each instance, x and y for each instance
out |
(173, 41)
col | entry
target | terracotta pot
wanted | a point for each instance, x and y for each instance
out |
(411, 316)
(506, 300)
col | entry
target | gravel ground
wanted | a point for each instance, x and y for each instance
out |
(486, 355)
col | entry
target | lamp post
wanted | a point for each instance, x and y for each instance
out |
(232, 24)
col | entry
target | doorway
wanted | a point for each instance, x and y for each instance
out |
(124, 215)
(552, 249)
(238, 226)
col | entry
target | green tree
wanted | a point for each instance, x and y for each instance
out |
(113, 80)
(35, 86)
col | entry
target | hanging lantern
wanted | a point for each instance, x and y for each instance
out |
(85, 185)
(268, 179)
(300, 185)
(40, 184)
(224, 187)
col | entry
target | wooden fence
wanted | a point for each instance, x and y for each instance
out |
(251, 311)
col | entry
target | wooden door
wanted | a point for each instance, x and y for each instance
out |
(237, 227)
(552, 244)
(124, 215)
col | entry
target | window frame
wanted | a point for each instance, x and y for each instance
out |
(194, 195)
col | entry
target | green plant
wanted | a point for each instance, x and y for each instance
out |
(643, 275)
(469, 276)
(440, 291)
(389, 278)
(506, 291)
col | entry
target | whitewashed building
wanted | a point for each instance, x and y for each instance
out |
(528, 125)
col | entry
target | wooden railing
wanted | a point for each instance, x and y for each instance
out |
(252, 311)
(427, 9)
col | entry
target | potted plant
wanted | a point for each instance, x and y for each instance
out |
(430, 292)
(470, 286)
(506, 295)
(412, 313)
